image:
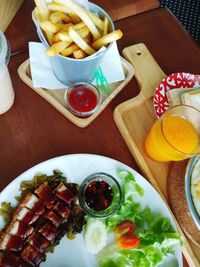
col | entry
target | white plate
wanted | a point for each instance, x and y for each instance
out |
(72, 253)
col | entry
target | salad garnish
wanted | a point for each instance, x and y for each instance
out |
(141, 237)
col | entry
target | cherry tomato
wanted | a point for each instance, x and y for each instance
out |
(127, 227)
(128, 241)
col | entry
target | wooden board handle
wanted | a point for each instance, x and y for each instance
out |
(147, 71)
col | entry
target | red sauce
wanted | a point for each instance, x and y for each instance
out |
(98, 195)
(82, 99)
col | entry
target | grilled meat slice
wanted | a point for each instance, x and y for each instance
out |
(54, 218)
(20, 229)
(67, 193)
(9, 259)
(32, 256)
(49, 231)
(25, 215)
(62, 209)
(32, 202)
(10, 242)
(45, 192)
(38, 242)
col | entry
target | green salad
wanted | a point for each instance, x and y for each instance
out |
(142, 237)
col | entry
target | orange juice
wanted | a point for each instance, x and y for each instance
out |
(173, 138)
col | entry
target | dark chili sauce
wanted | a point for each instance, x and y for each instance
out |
(98, 195)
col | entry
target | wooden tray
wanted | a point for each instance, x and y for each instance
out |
(134, 119)
(56, 97)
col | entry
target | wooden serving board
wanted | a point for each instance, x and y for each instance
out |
(56, 97)
(134, 119)
(8, 9)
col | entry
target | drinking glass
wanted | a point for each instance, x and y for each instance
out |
(175, 135)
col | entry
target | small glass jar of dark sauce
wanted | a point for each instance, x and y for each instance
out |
(100, 195)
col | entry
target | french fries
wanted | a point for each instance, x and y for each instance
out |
(57, 48)
(58, 17)
(80, 42)
(71, 30)
(78, 54)
(106, 39)
(69, 50)
(65, 36)
(105, 26)
(82, 14)
(43, 10)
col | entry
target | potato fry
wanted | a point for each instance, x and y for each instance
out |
(56, 7)
(106, 39)
(78, 54)
(43, 10)
(58, 17)
(57, 48)
(74, 18)
(49, 36)
(96, 20)
(36, 14)
(79, 25)
(64, 36)
(80, 42)
(48, 26)
(105, 26)
(69, 50)
(87, 40)
(83, 15)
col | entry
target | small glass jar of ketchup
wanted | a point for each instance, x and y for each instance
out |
(100, 195)
(82, 99)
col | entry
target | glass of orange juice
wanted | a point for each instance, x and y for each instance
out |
(175, 135)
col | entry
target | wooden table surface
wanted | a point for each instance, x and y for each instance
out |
(33, 131)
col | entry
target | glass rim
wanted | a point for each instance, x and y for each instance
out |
(162, 119)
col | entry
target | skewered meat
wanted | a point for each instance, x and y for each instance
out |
(32, 202)
(25, 215)
(20, 229)
(45, 192)
(32, 256)
(62, 209)
(10, 259)
(38, 242)
(49, 231)
(54, 218)
(67, 193)
(10, 242)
